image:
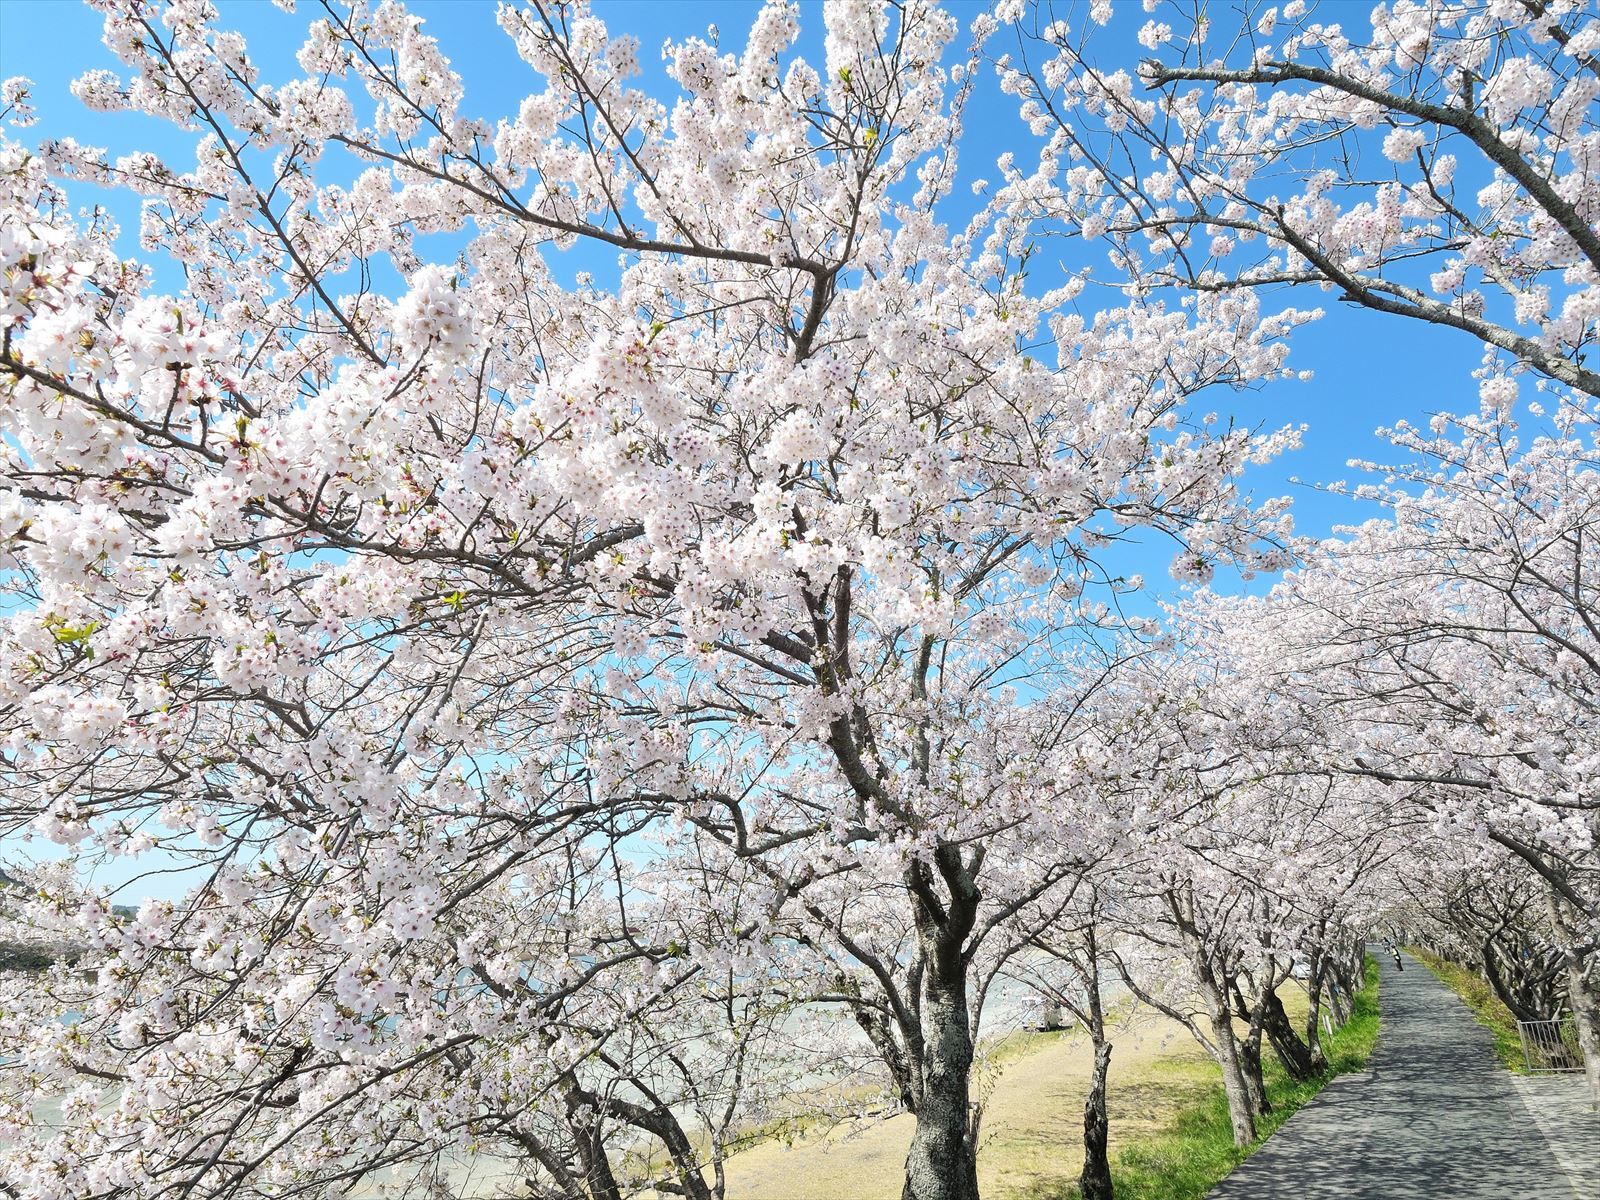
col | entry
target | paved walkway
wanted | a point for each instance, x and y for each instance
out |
(1434, 1117)
(1561, 1109)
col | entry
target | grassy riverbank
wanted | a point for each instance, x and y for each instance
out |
(1196, 1151)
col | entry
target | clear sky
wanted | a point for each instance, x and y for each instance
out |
(1369, 370)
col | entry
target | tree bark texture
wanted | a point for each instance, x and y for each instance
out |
(942, 1163)
(1294, 1054)
(1094, 1181)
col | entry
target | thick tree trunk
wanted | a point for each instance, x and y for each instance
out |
(1094, 1181)
(1250, 1049)
(1523, 985)
(1241, 1109)
(1225, 1043)
(1586, 1016)
(1222, 1044)
(942, 1163)
(599, 1183)
(1583, 995)
(1313, 1039)
(1294, 1054)
(1250, 1064)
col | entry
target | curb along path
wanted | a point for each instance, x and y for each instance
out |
(1434, 1117)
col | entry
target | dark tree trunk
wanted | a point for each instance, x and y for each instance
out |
(1094, 1181)
(1250, 1063)
(1294, 1054)
(1491, 972)
(1524, 985)
(1255, 1016)
(598, 1181)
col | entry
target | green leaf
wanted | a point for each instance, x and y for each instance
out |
(67, 635)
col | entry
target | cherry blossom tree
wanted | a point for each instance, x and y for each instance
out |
(1494, 921)
(1432, 161)
(517, 662)
(1445, 653)
(1254, 858)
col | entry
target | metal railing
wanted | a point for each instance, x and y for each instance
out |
(1550, 1045)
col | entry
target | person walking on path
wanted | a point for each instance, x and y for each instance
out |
(1394, 949)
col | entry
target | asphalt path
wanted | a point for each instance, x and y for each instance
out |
(1434, 1117)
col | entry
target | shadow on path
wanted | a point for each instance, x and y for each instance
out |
(1434, 1117)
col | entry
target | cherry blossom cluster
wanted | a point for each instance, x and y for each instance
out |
(540, 681)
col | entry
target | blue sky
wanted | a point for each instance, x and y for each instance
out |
(1369, 369)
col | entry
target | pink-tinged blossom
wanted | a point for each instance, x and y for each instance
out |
(547, 682)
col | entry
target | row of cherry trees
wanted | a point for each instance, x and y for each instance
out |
(565, 716)
(1449, 655)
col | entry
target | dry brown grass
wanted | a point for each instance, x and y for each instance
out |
(1031, 1145)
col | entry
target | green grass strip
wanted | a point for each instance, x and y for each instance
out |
(1196, 1151)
